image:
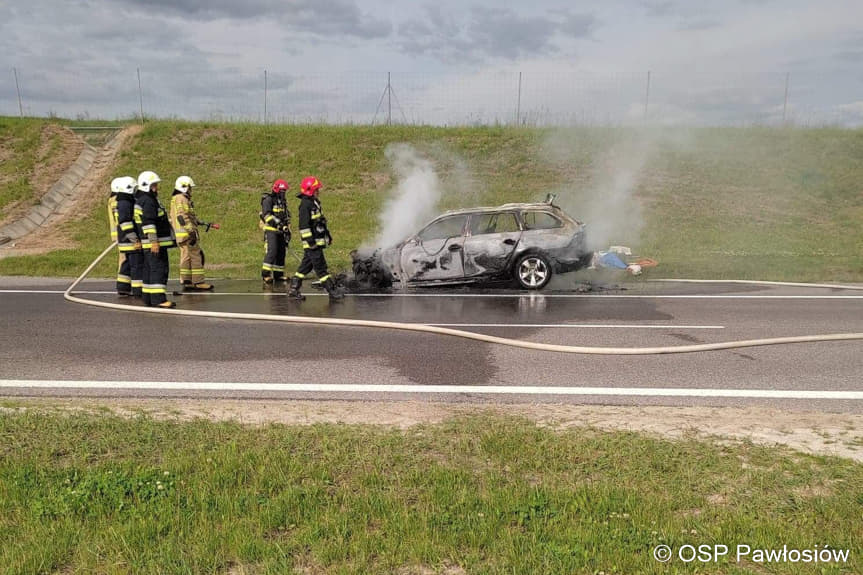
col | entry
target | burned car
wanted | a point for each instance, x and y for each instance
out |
(524, 242)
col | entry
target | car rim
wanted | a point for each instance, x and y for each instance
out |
(533, 272)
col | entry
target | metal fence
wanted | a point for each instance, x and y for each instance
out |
(485, 98)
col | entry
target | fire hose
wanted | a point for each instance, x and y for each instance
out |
(422, 328)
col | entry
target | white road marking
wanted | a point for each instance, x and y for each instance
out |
(578, 325)
(433, 389)
(482, 295)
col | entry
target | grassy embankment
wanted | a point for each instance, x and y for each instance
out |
(479, 494)
(747, 203)
(20, 140)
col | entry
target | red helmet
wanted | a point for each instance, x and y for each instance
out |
(280, 186)
(309, 186)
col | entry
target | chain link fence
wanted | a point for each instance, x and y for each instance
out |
(485, 98)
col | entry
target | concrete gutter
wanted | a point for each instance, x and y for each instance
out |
(56, 201)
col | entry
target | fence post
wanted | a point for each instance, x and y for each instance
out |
(647, 96)
(518, 105)
(18, 90)
(265, 97)
(140, 96)
(785, 104)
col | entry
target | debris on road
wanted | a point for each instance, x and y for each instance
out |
(612, 259)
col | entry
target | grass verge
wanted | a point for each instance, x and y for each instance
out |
(476, 494)
(744, 203)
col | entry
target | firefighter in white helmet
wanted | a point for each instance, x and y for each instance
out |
(185, 224)
(124, 277)
(157, 238)
(129, 233)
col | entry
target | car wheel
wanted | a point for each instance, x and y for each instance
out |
(533, 271)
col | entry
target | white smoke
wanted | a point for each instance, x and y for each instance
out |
(413, 201)
(602, 194)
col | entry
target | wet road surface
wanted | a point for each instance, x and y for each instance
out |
(44, 337)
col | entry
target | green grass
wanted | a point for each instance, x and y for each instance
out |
(747, 203)
(485, 493)
(19, 141)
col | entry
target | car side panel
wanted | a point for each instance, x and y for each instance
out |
(489, 254)
(433, 260)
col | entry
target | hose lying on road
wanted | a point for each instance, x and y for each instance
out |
(454, 332)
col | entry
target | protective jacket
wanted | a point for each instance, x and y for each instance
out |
(274, 213)
(112, 216)
(128, 230)
(151, 216)
(313, 225)
(183, 218)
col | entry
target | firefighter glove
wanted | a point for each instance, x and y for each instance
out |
(329, 238)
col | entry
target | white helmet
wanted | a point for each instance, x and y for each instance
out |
(184, 184)
(116, 185)
(147, 179)
(124, 185)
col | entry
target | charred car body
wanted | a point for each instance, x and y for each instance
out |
(524, 242)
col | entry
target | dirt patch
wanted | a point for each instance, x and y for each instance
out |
(810, 432)
(56, 232)
(58, 149)
(375, 181)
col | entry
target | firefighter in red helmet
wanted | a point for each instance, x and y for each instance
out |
(276, 223)
(315, 236)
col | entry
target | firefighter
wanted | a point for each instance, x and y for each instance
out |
(185, 224)
(124, 278)
(157, 238)
(315, 236)
(275, 220)
(128, 233)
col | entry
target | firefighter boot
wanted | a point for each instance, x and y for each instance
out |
(334, 291)
(294, 290)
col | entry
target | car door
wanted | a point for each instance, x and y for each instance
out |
(435, 254)
(490, 243)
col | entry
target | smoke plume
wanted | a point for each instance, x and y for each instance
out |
(415, 198)
(602, 194)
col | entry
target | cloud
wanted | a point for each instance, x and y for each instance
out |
(306, 17)
(658, 8)
(699, 23)
(490, 33)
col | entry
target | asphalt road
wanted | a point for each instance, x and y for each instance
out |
(44, 337)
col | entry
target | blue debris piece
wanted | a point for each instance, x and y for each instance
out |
(611, 260)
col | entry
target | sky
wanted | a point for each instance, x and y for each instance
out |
(449, 61)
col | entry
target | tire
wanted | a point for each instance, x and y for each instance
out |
(532, 271)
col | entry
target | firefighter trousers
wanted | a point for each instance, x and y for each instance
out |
(274, 260)
(135, 259)
(124, 274)
(313, 259)
(155, 277)
(191, 263)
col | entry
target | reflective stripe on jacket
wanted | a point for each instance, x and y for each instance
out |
(182, 207)
(313, 224)
(274, 212)
(128, 232)
(151, 216)
(112, 216)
